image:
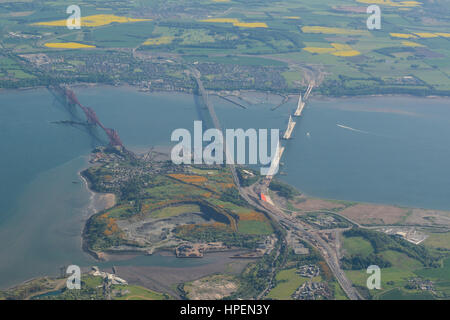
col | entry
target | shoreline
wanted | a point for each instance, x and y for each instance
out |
(98, 202)
(102, 201)
(185, 91)
(95, 198)
(405, 95)
(95, 203)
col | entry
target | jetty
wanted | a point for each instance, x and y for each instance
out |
(289, 129)
(300, 106)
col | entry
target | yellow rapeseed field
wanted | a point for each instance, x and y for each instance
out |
(292, 17)
(412, 44)
(392, 3)
(426, 34)
(339, 49)
(250, 24)
(237, 23)
(319, 50)
(158, 41)
(341, 46)
(420, 34)
(67, 45)
(402, 35)
(221, 20)
(92, 21)
(329, 30)
(346, 53)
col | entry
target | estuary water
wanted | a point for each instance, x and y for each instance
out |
(392, 150)
(376, 149)
(43, 201)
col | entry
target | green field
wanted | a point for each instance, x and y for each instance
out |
(175, 211)
(339, 294)
(438, 240)
(441, 274)
(91, 281)
(255, 227)
(130, 292)
(288, 282)
(357, 245)
(395, 278)
(397, 294)
(401, 260)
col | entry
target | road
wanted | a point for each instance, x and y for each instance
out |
(232, 168)
(303, 232)
(251, 195)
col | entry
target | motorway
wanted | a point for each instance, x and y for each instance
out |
(305, 233)
(296, 227)
(230, 164)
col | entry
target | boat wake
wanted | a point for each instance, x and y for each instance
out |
(352, 129)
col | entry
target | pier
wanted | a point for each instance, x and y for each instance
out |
(301, 103)
(298, 112)
(288, 133)
(300, 106)
(275, 163)
(273, 169)
(308, 91)
(290, 128)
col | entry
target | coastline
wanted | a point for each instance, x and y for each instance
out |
(322, 97)
(217, 92)
(98, 202)
(243, 92)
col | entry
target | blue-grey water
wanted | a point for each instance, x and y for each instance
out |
(42, 209)
(392, 150)
(386, 149)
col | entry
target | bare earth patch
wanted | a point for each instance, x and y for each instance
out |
(429, 218)
(165, 279)
(375, 214)
(211, 288)
(317, 204)
(109, 200)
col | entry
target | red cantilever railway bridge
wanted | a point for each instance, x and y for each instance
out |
(91, 116)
